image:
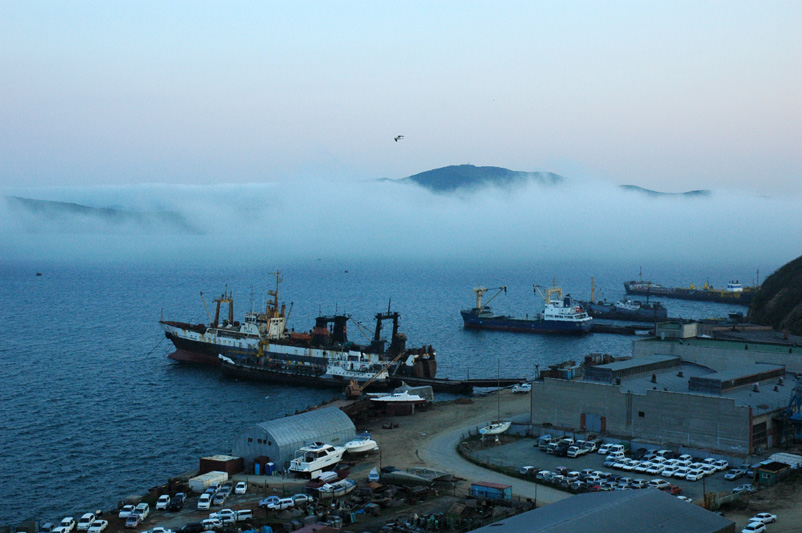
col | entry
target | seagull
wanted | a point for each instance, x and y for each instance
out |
(398, 138)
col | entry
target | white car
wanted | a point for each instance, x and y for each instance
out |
(204, 502)
(98, 526)
(301, 499)
(522, 388)
(143, 510)
(66, 525)
(126, 511)
(695, 475)
(659, 483)
(163, 502)
(754, 527)
(212, 523)
(281, 504)
(241, 488)
(766, 518)
(159, 529)
(226, 516)
(684, 498)
(85, 521)
(722, 465)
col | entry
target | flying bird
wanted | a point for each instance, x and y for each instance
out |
(398, 138)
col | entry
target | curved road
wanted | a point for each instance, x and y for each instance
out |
(440, 452)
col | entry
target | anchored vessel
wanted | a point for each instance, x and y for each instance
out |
(735, 292)
(261, 349)
(561, 314)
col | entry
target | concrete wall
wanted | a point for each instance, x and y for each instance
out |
(707, 422)
(722, 356)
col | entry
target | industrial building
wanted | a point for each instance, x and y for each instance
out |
(666, 400)
(280, 438)
(633, 511)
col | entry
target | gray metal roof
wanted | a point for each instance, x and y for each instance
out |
(634, 511)
(307, 427)
(637, 362)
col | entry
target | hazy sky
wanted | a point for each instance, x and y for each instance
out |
(668, 95)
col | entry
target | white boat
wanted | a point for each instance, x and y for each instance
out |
(495, 428)
(398, 398)
(373, 475)
(337, 489)
(627, 305)
(363, 443)
(315, 457)
(522, 388)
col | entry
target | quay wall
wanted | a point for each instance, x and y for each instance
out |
(680, 419)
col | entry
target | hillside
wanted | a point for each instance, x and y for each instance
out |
(456, 177)
(649, 192)
(37, 216)
(779, 301)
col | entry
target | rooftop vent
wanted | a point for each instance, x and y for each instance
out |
(755, 388)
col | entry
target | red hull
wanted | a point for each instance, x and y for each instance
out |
(193, 357)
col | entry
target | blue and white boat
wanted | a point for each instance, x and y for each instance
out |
(561, 315)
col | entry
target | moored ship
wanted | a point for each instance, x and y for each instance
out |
(261, 349)
(561, 315)
(626, 309)
(735, 293)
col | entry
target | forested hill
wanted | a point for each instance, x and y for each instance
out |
(779, 301)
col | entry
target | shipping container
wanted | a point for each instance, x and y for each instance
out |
(491, 491)
(201, 483)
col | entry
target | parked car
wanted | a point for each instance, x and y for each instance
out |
(766, 518)
(604, 449)
(133, 520)
(85, 522)
(575, 451)
(543, 442)
(143, 509)
(98, 526)
(204, 502)
(522, 388)
(659, 483)
(244, 514)
(674, 490)
(176, 504)
(268, 501)
(212, 524)
(163, 502)
(66, 525)
(220, 498)
(226, 516)
(754, 527)
(241, 488)
(746, 488)
(192, 527)
(721, 465)
(734, 473)
(281, 504)
(126, 511)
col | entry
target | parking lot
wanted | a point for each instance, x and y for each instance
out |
(522, 452)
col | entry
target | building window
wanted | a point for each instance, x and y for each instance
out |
(250, 439)
(641, 414)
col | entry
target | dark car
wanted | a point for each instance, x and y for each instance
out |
(176, 504)
(561, 450)
(192, 527)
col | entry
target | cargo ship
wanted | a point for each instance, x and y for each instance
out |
(626, 310)
(734, 293)
(261, 348)
(560, 315)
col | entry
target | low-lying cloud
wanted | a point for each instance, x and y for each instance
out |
(577, 221)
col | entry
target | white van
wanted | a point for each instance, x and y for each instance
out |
(205, 501)
(615, 448)
(244, 514)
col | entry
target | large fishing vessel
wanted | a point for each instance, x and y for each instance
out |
(261, 348)
(561, 314)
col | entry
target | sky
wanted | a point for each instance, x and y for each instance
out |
(671, 96)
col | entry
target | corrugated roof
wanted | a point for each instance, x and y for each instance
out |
(306, 427)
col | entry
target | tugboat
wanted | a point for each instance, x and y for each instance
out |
(561, 315)
(262, 349)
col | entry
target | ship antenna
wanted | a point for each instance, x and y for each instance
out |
(389, 305)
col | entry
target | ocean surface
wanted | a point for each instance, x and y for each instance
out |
(92, 410)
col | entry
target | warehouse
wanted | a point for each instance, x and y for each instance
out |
(279, 439)
(681, 404)
(626, 510)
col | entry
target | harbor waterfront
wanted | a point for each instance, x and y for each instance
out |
(120, 417)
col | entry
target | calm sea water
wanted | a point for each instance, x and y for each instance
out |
(92, 410)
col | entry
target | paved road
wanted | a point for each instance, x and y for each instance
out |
(440, 453)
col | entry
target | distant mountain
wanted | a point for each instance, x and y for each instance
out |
(650, 192)
(457, 177)
(778, 303)
(64, 217)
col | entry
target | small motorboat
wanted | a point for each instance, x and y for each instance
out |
(522, 388)
(373, 475)
(363, 443)
(337, 489)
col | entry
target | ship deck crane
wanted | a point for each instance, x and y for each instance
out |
(480, 291)
(355, 390)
